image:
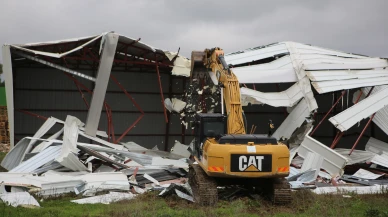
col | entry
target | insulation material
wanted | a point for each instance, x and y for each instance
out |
(175, 104)
(106, 198)
(364, 109)
(287, 98)
(294, 120)
(333, 162)
(19, 199)
(182, 65)
(365, 174)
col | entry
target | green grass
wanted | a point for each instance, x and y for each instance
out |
(304, 204)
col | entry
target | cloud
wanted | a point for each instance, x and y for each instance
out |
(352, 26)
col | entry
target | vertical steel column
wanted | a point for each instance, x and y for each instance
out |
(161, 88)
(103, 73)
(7, 69)
(183, 131)
(167, 132)
(324, 118)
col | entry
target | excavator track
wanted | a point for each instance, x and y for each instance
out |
(281, 192)
(204, 187)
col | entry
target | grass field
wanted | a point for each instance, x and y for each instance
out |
(304, 203)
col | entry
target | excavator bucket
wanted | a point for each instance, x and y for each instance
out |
(198, 69)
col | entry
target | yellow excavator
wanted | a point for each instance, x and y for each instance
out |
(224, 154)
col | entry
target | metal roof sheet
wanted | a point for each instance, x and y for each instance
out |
(348, 118)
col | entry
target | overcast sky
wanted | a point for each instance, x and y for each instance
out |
(349, 25)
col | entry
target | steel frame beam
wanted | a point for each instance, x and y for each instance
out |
(103, 73)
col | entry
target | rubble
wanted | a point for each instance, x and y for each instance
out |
(60, 166)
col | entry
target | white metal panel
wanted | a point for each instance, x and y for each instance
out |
(345, 74)
(313, 161)
(376, 146)
(57, 55)
(103, 73)
(105, 199)
(381, 160)
(308, 49)
(381, 117)
(38, 160)
(249, 76)
(376, 189)
(357, 156)
(359, 65)
(334, 85)
(19, 198)
(247, 56)
(348, 118)
(277, 71)
(58, 188)
(8, 75)
(294, 120)
(365, 174)
(43, 145)
(333, 161)
(287, 98)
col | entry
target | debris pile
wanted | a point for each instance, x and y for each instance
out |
(62, 164)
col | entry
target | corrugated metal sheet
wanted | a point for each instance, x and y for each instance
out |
(287, 98)
(345, 75)
(361, 110)
(376, 146)
(293, 120)
(19, 198)
(334, 85)
(357, 156)
(365, 174)
(38, 160)
(312, 161)
(333, 161)
(381, 117)
(253, 54)
(277, 71)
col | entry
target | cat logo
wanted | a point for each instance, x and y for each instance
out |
(250, 163)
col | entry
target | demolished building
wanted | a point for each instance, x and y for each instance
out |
(107, 103)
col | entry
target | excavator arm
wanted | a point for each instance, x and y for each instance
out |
(213, 59)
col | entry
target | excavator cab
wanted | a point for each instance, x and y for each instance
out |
(207, 125)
